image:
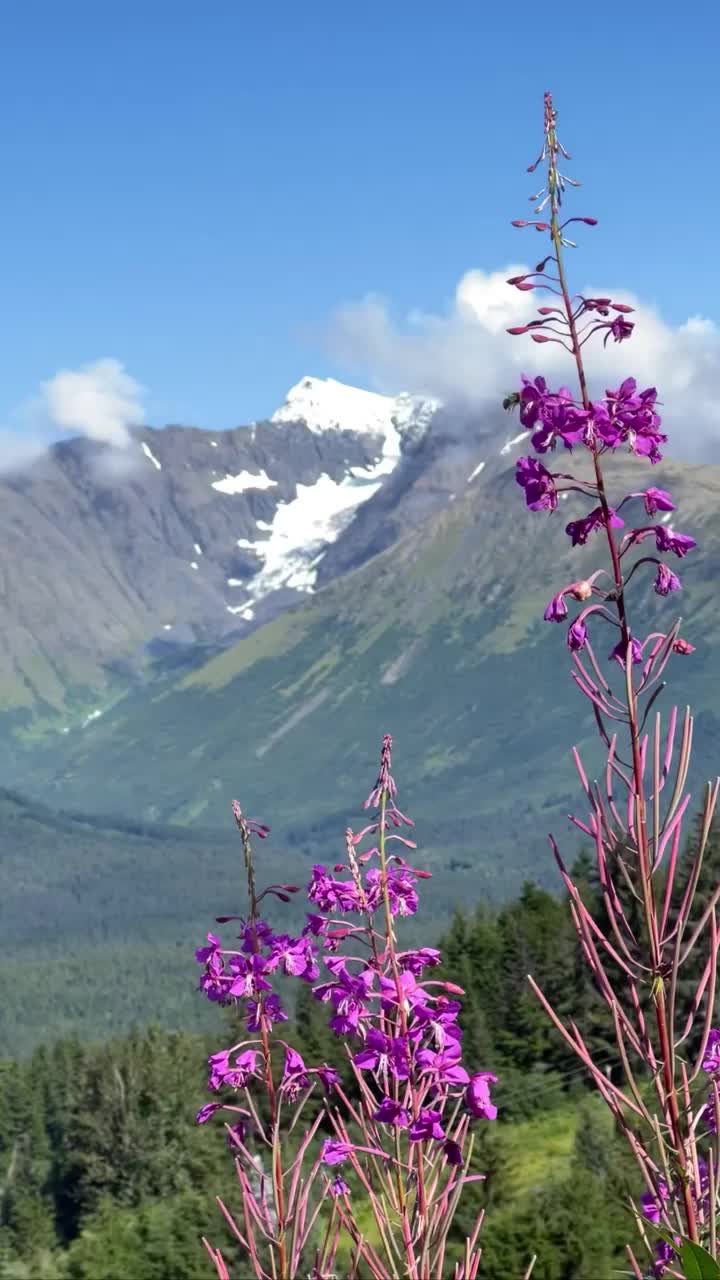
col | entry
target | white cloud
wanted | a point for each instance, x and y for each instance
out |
(99, 401)
(464, 354)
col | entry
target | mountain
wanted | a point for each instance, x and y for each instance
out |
(113, 560)
(439, 639)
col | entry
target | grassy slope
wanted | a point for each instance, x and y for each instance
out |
(440, 641)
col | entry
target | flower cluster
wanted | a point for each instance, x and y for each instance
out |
(405, 1023)
(623, 417)
(637, 953)
(400, 1025)
(560, 418)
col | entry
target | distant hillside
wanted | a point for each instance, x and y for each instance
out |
(440, 640)
(98, 921)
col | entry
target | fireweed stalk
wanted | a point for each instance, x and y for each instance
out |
(407, 1137)
(636, 813)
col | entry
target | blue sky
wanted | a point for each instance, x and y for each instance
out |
(194, 189)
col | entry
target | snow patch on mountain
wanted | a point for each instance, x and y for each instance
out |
(511, 443)
(243, 481)
(149, 454)
(326, 405)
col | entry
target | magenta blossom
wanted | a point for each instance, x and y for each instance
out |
(235, 1075)
(579, 530)
(651, 1205)
(384, 1053)
(538, 483)
(334, 1152)
(477, 1096)
(619, 653)
(416, 961)
(577, 636)
(427, 1126)
(711, 1061)
(207, 1111)
(391, 1112)
(656, 500)
(666, 540)
(338, 1187)
(666, 580)
(269, 1009)
(557, 609)
(444, 1066)
(295, 1077)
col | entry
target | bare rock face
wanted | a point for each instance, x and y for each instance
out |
(187, 538)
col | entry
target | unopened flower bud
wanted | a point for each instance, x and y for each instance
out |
(683, 646)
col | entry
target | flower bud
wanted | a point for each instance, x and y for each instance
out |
(683, 646)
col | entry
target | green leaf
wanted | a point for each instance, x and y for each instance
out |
(697, 1263)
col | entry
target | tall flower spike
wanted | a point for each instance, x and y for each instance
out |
(636, 967)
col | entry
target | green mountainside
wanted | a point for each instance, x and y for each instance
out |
(440, 641)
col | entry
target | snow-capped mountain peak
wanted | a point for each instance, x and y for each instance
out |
(324, 404)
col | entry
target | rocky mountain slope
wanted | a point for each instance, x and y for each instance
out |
(440, 640)
(110, 559)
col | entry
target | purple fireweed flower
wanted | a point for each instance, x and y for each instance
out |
(440, 1020)
(203, 954)
(215, 985)
(651, 1207)
(664, 1255)
(577, 636)
(338, 1187)
(402, 893)
(237, 1075)
(207, 1111)
(295, 1077)
(711, 1061)
(382, 1053)
(666, 580)
(630, 417)
(619, 653)
(328, 1077)
(427, 1126)
(416, 961)
(249, 976)
(255, 935)
(444, 1066)
(666, 540)
(619, 329)
(477, 1096)
(579, 530)
(533, 396)
(294, 956)
(391, 1112)
(334, 1152)
(560, 418)
(453, 1153)
(330, 894)
(557, 609)
(270, 1009)
(411, 992)
(655, 500)
(347, 994)
(316, 925)
(538, 483)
